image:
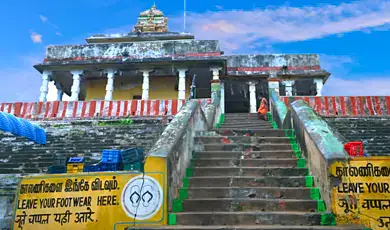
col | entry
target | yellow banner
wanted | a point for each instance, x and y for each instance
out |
(363, 194)
(102, 200)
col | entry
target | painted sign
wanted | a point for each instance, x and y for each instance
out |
(363, 196)
(100, 200)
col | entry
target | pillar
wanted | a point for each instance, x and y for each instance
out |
(288, 86)
(252, 97)
(76, 84)
(60, 92)
(45, 85)
(319, 84)
(215, 86)
(110, 83)
(222, 105)
(145, 83)
(273, 84)
(182, 83)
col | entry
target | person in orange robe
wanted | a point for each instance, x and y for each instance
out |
(263, 109)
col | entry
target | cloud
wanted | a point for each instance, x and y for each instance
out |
(43, 18)
(35, 37)
(58, 34)
(374, 86)
(286, 23)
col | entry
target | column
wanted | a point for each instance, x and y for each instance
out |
(60, 92)
(288, 86)
(319, 84)
(215, 85)
(145, 83)
(45, 85)
(182, 83)
(252, 97)
(273, 84)
(110, 83)
(76, 84)
(222, 105)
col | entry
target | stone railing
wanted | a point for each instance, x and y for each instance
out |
(95, 109)
(175, 145)
(320, 145)
(346, 106)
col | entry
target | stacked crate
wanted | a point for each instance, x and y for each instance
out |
(59, 165)
(75, 165)
(111, 160)
(132, 159)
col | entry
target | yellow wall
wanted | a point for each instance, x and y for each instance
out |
(127, 87)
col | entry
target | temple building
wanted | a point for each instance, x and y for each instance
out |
(153, 63)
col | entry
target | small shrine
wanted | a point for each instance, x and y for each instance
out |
(151, 20)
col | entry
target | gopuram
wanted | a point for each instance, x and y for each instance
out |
(161, 132)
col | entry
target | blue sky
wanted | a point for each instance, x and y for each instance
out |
(352, 37)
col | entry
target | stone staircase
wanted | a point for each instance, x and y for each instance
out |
(374, 132)
(245, 175)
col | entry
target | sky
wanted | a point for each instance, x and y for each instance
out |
(351, 37)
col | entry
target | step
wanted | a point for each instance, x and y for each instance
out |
(250, 192)
(281, 162)
(241, 139)
(245, 126)
(252, 132)
(248, 205)
(246, 120)
(249, 171)
(247, 181)
(245, 147)
(244, 155)
(248, 218)
(257, 226)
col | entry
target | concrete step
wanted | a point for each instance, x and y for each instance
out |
(248, 218)
(245, 147)
(282, 162)
(254, 120)
(241, 139)
(245, 126)
(247, 181)
(251, 132)
(249, 192)
(244, 155)
(248, 205)
(257, 226)
(249, 171)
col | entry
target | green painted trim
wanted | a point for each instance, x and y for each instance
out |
(295, 147)
(321, 206)
(309, 181)
(186, 182)
(172, 219)
(298, 154)
(315, 193)
(189, 172)
(217, 126)
(222, 118)
(301, 163)
(177, 205)
(289, 133)
(328, 219)
(183, 193)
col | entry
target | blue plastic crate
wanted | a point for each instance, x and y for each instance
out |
(40, 135)
(111, 156)
(92, 168)
(76, 160)
(29, 130)
(57, 169)
(104, 167)
(4, 123)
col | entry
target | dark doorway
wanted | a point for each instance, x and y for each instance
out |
(237, 94)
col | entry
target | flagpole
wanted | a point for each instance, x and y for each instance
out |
(184, 15)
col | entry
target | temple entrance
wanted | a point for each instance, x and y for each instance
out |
(237, 95)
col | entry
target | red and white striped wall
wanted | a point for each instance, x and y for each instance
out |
(346, 106)
(93, 109)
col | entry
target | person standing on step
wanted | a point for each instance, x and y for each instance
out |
(263, 109)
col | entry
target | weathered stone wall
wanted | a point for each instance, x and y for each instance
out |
(374, 132)
(133, 51)
(88, 138)
(264, 64)
(176, 143)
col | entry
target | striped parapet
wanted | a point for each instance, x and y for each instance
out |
(346, 106)
(94, 109)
